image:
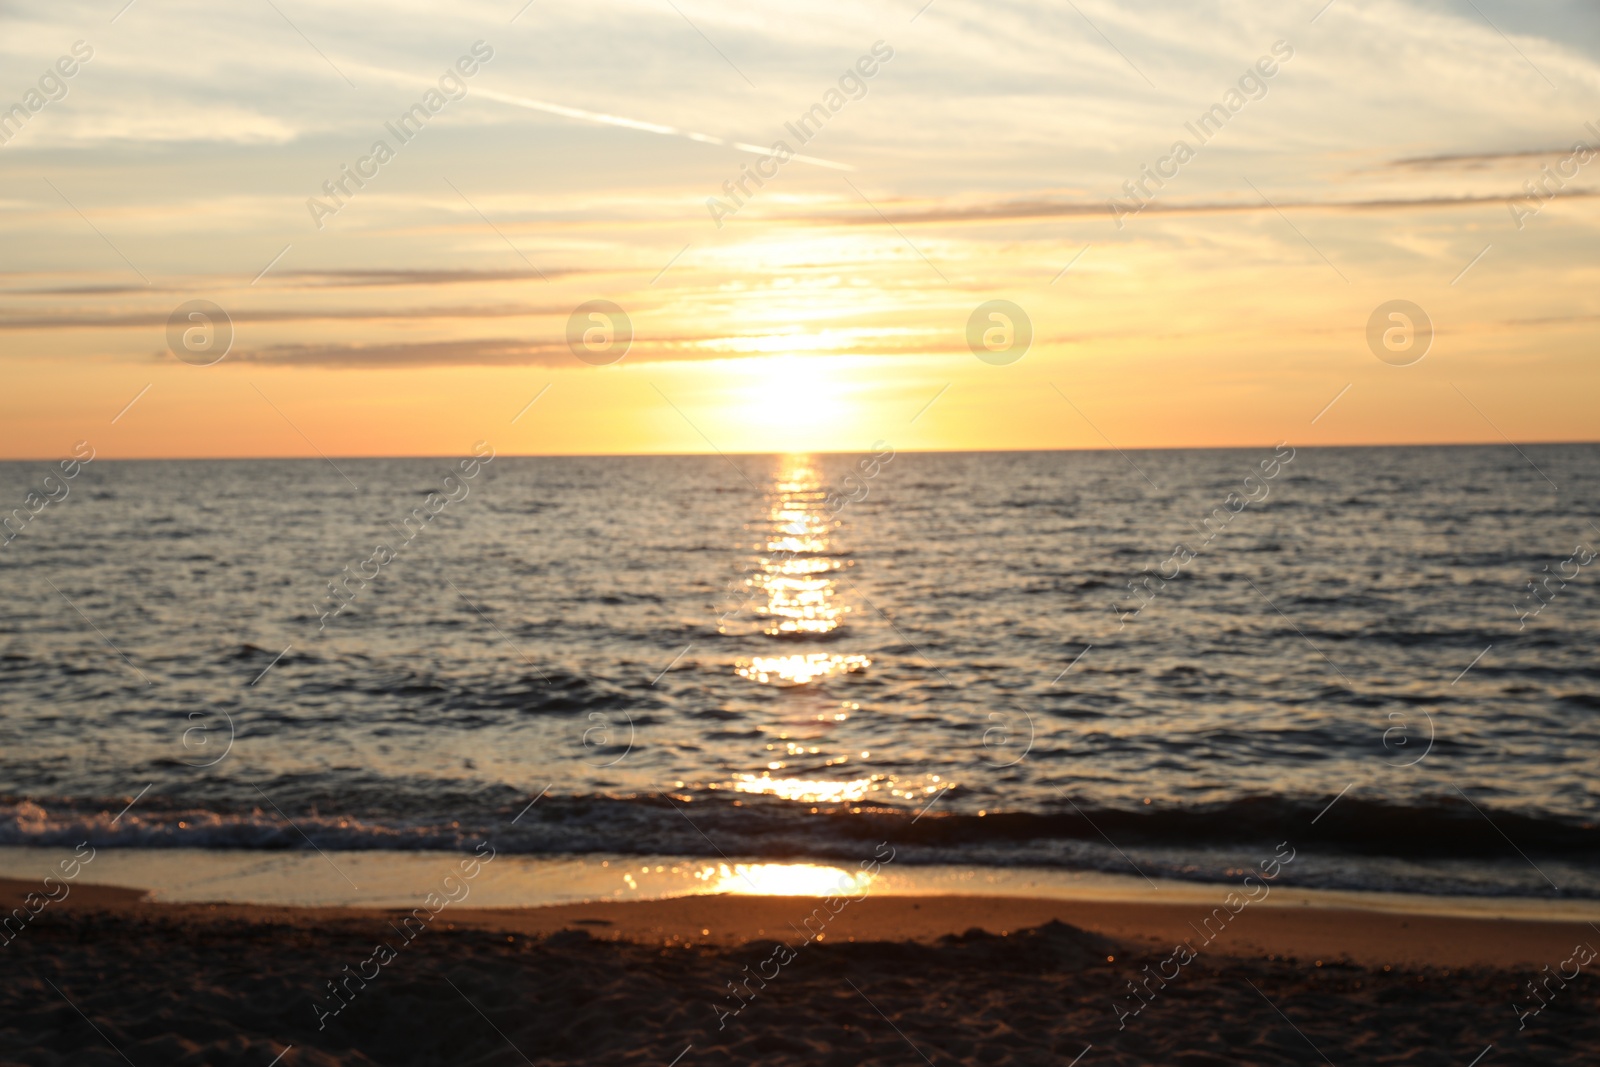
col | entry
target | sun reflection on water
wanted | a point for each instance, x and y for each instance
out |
(782, 879)
(798, 669)
(804, 790)
(794, 571)
(796, 574)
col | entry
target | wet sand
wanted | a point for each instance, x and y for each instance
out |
(104, 977)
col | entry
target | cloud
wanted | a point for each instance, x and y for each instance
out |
(495, 351)
(1475, 160)
(378, 278)
(516, 351)
(340, 279)
(95, 290)
(601, 119)
(1041, 209)
(78, 320)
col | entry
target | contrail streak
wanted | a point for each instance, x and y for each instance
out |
(603, 119)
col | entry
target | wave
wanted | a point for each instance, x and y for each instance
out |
(753, 826)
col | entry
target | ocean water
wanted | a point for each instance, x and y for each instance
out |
(1156, 664)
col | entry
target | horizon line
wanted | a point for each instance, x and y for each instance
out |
(816, 452)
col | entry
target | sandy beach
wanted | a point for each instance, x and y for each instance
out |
(105, 977)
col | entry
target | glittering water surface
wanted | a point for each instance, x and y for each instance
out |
(793, 658)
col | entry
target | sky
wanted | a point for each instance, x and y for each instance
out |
(991, 155)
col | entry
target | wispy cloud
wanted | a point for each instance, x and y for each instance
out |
(500, 351)
(351, 279)
(1477, 160)
(1044, 209)
(79, 320)
(518, 351)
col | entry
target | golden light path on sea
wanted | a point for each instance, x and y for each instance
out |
(806, 790)
(781, 879)
(798, 669)
(794, 572)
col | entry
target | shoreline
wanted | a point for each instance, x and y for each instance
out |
(1365, 938)
(105, 976)
(398, 879)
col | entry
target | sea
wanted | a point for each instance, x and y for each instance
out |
(639, 676)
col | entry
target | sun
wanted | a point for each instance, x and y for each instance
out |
(792, 403)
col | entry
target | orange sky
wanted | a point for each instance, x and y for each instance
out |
(826, 312)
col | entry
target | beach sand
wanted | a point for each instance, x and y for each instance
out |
(105, 977)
